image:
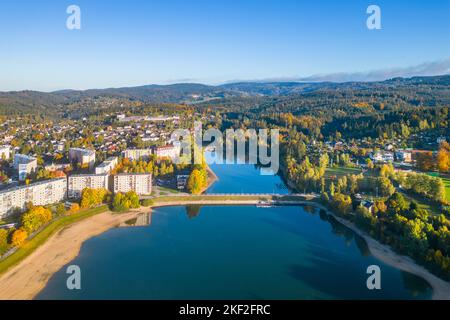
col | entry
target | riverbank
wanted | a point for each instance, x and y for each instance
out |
(441, 288)
(26, 279)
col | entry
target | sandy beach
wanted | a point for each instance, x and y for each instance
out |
(29, 277)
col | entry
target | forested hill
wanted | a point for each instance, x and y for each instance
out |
(431, 90)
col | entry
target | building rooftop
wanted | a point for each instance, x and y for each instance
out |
(31, 185)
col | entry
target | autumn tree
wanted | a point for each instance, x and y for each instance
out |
(342, 203)
(93, 197)
(425, 161)
(18, 237)
(34, 218)
(125, 201)
(443, 157)
(74, 207)
(197, 181)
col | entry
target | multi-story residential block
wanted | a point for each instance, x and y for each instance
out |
(141, 183)
(84, 157)
(24, 165)
(76, 183)
(136, 154)
(39, 193)
(169, 151)
(5, 152)
(107, 165)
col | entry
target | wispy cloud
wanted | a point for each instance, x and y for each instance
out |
(424, 69)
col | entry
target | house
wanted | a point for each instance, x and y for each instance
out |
(369, 205)
(404, 156)
(382, 156)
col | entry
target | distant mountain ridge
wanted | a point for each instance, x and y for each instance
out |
(188, 92)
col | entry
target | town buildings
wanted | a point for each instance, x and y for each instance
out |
(39, 193)
(141, 183)
(5, 152)
(84, 157)
(76, 183)
(136, 154)
(107, 165)
(24, 165)
(383, 156)
(168, 151)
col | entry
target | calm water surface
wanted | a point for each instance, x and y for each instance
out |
(232, 252)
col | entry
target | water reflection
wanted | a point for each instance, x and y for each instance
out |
(193, 210)
(141, 220)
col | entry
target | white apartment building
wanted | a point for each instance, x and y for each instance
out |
(24, 165)
(5, 152)
(141, 183)
(107, 165)
(82, 156)
(136, 154)
(39, 193)
(169, 151)
(76, 183)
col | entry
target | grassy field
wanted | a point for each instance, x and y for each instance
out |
(423, 203)
(45, 233)
(447, 187)
(168, 190)
(341, 171)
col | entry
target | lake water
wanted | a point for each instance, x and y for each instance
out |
(232, 252)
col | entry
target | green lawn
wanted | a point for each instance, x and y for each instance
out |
(447, 187)
(45, 233)
(423, 203)
(168, 190)
(341, 171)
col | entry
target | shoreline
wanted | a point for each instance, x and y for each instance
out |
(440, 287)
(25, 280)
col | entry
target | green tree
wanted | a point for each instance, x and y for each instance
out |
(3, 241)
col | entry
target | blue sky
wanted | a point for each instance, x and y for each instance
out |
(128, 43)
